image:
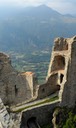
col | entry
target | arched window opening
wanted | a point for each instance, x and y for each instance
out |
(31, 123)
(43, 90)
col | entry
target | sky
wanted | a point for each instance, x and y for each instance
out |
(62, 6)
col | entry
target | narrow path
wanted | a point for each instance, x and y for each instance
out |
(34, 103)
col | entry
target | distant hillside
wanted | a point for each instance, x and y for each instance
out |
(33, 28)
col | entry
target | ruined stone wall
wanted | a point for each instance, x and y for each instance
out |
(42, 113)
(61, 76)
(18, 87)
(62, 72)
(69, 88)
(49, 87)
(73, 73)
(57, 69)
(15, 87)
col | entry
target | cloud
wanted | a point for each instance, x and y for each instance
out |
(18, 2)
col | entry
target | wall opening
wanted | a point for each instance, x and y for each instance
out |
(61, 78)
(58, 87)
(43, 90)
(58, 63)
(0, 61)
(31, 123)
(16, 90)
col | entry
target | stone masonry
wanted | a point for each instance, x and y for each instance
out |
(61, 78)
(63, 64)
(19, 87)
(15, 87)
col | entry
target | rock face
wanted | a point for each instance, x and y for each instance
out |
(5, 121)
(15, 87)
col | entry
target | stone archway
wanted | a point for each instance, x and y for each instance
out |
(32, 123)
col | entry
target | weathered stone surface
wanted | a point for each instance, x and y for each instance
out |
(15, 87)
(5, 120)
(42, 113)
(18, 87)
(63, 62)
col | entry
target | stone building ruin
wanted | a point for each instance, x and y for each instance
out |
(17, 88)
(63, 63)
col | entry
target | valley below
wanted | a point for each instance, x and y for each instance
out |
(37, 62)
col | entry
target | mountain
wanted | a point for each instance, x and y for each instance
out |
(33, 28)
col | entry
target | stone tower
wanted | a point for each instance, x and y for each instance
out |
(63, 68)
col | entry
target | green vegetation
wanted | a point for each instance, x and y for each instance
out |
(47, 126)
(66, 117)
(25, 30)
(28, 34)
(39, 103)
(71, 121)
(37, 62)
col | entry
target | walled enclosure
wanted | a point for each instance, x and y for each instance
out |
(18, 87)
(61, 73)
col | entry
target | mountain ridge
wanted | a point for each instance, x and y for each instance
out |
(34, 29)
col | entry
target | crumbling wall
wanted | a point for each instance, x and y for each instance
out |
(18, 87)
(49, 87)
(69, 88)
(42, 114)
(15, 87)
(61, 44)
(61, 73)
(56, 69)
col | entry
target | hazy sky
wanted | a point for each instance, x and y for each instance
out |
(63, 6)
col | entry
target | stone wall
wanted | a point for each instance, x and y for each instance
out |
(69, 88)
(62, 72)
(57, 69)
(42, 113)
(15, 87)
(49, 87)
(61, 77)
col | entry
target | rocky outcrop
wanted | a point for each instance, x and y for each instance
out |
(5, 120)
